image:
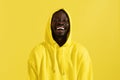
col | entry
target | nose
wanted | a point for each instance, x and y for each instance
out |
(60, 21)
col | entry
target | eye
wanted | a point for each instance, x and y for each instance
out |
(65, 20)
(55, 20)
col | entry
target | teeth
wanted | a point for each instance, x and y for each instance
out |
(60, 28)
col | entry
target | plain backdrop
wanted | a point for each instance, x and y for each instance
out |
(95, 23)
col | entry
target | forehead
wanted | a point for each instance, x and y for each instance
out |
(60, 14)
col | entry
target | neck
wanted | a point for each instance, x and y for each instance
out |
(60, 40)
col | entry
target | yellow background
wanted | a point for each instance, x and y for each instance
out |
(96, 25)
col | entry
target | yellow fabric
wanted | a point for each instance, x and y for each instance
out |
(48, 61)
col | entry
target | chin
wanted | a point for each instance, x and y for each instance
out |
(61, 35)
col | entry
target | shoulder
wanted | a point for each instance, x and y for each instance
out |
(38, 48)
(78, 46)
(36, 53)
(81, 50)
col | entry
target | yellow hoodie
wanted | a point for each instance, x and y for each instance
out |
(48, 61)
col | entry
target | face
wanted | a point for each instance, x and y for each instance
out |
(60, 24)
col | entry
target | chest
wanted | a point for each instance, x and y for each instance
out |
(58, 63)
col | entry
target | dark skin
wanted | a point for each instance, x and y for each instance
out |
(60, 26)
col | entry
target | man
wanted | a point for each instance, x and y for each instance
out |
(58, 58)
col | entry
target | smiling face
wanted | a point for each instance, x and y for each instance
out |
(60, 24)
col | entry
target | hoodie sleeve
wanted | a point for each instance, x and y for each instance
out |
(84, 66)
(32, 67)
(32, 74)
(33, 60)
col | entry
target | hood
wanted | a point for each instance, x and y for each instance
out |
(48, 33)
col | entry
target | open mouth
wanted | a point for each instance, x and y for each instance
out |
(60, 28)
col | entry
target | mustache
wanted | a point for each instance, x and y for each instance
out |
(65, 24)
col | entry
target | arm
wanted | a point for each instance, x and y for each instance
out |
(32, 72)
(85, 67)
(32, 66)
(34, 62)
